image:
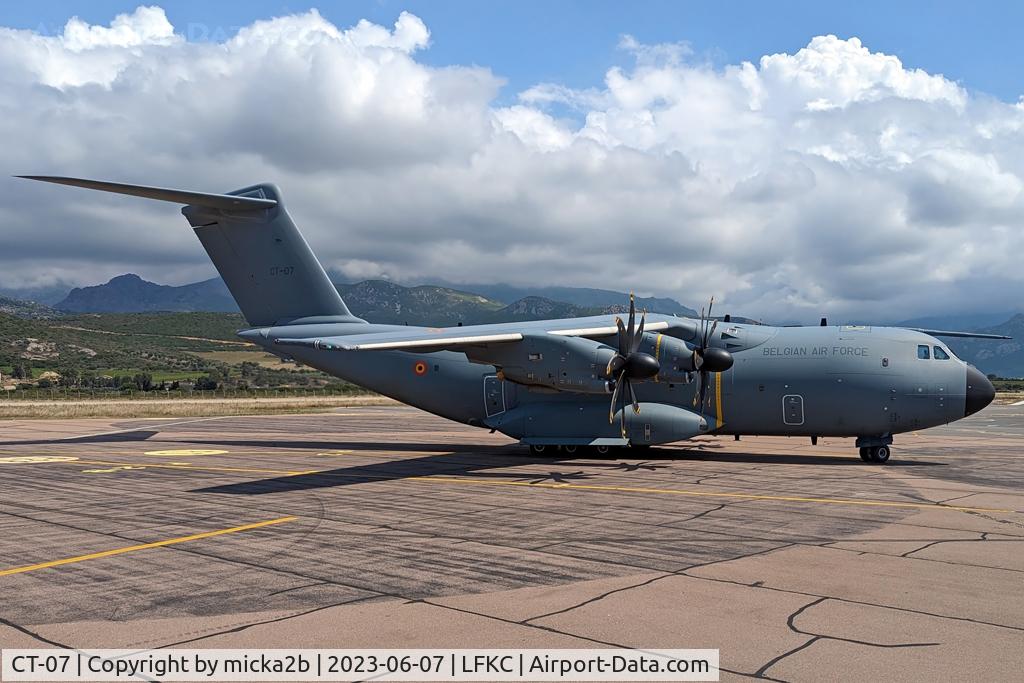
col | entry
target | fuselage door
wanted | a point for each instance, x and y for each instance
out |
(494, 395)
(793, 409)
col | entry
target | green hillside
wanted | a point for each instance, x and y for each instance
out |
(26, 309)
(141, 351)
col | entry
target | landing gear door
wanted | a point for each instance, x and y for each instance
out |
(494, 396)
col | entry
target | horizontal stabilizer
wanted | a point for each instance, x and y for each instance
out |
(950, 333)
(216, 201)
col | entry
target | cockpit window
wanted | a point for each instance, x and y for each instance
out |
(922, 352)
(940, 353)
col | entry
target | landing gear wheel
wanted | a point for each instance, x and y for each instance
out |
(865, 454)
(602, 450)
(538, 449)
(880, 454)
(571, 449)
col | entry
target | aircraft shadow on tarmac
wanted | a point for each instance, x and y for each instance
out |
(139, 435)
(454, 461)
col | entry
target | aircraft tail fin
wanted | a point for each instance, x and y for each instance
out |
(267, 265)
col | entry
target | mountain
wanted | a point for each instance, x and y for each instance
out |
(46, 294)
(131, 294)
(996, 357)
(585, 297)
(381, 301)
(26, 309)
(540, 308)
(966, 322)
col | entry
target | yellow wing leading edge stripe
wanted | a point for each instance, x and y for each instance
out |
(657, 352)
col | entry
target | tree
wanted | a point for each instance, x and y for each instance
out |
(207, 383)
(70, 377)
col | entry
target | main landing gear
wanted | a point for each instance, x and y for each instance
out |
(879, 454)
(875, 448)
(571, 450)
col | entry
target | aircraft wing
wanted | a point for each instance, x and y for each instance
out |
(951, 333)
(454, 338)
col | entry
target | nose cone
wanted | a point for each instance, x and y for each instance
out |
(980, 391)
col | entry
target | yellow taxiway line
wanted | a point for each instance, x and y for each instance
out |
(706, 494)
(144, 546)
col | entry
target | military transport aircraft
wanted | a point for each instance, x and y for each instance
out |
(550, 383)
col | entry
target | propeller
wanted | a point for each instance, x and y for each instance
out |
(707, 358)
(629, 363)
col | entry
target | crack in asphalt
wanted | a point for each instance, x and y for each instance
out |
(276, 620)
(815, 637)
(860, 602)
(650, 581)
(32, 634)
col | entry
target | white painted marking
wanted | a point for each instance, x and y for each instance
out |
(33, 459)
(187, 451)
(1018, 403)
(588, 331)
(445, 341)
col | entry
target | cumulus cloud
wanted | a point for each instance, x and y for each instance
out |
(834, 180)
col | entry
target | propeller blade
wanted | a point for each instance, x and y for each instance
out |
(623, 342)
(632, 318)
(705, 400)
(615, 363)
(615, 398)
(707, 330)
(639, 336)
(632, 397)
(622, 413)
(700, 328)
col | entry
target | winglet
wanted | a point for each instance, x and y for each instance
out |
(217, 201)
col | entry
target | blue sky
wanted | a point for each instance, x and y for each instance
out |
(574, 42)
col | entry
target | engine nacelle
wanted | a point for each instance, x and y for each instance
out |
(546, 360)
(674, 355)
